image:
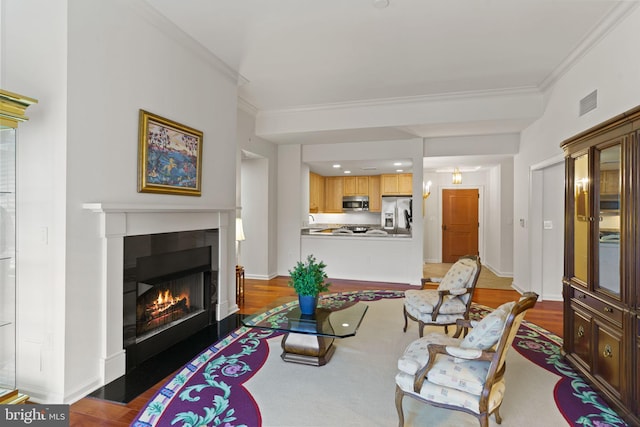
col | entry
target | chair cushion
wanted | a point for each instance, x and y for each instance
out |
(424, 301)
(440, 394)
(416, 354)
(468, 377)
(488, 331)
(458, 275)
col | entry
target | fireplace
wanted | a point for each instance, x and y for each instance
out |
(119, 221)
(169, 292)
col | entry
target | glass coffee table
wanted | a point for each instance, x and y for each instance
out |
(309, 338)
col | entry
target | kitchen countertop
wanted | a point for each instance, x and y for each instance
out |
(327, 230)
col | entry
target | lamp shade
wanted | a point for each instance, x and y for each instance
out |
(239, 230)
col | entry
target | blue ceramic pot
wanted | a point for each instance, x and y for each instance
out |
(307, 303)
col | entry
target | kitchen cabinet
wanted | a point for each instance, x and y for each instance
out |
(356, 186)
(375, 198)
(316, 193)
(12, 108)
(333, 194)
(601, 280)
(396, 184)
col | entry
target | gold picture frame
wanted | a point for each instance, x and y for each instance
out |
(169, 156)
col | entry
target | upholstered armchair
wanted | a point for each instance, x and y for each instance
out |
(449, 302)
(463, 374)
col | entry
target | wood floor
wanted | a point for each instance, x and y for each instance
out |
(258, 293)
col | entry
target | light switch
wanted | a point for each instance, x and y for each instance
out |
(548, 225)
(522, 222)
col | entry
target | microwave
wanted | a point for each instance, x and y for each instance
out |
(355, 203)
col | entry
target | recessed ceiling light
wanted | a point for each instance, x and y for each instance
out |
(380, 4)
(399, 170)
(347, 171)
(397, 164)
(336, 166)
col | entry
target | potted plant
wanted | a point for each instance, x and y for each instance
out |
(308, 280)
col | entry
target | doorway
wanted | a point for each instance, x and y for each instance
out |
(459, 223)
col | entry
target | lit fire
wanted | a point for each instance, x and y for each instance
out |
(166, 300)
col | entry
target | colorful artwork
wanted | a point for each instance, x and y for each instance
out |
(169, 157)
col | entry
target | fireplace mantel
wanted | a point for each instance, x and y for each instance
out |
(118, 220)
(146, 208)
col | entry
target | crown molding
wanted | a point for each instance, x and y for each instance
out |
(407, 100)
(247, 107)
(168, 27)
(619, 12)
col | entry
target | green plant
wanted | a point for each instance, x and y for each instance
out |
(308, 278)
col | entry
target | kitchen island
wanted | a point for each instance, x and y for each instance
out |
(361, 256)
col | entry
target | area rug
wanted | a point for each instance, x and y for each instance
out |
(241, 381)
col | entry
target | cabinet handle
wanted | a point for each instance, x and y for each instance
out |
(607, 351)
(608, 309)
(583, 296)
(580, 331)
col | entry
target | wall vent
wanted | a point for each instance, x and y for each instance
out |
(589, 102)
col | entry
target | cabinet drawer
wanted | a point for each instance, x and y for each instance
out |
(606, 310)
(608, 367)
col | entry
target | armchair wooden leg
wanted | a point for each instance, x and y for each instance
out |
(404, 312)
(399, 396)
(497, 414)
(420, 328)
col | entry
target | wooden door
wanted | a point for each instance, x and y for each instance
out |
(459, 224)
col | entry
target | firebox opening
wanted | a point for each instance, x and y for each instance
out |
(169, 294)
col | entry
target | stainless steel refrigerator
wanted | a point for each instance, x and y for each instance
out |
(397, 214)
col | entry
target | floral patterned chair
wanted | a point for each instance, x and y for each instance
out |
(463, 374)
(449, 302)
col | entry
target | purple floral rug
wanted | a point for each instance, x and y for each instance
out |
(209, 391)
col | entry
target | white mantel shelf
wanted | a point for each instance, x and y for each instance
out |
(146, 208)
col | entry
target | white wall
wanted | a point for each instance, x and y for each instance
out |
(93, 65)
(260, 260)
(40, 71)
(553, 232)
(255, 208)
(613, 68)
(290, 206)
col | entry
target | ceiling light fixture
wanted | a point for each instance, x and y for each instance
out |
(381, 4)
(336, 166)
(347, 171)
(457, 176)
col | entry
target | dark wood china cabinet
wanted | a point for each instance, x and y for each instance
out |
(602, 260)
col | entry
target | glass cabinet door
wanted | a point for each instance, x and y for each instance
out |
(608, 220)
(581, 215)
(7, 261)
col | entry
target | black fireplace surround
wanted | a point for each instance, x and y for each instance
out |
(156, 265)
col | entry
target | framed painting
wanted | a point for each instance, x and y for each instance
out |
(169, 156)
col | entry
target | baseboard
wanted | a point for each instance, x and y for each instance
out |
(497, 272)
(553, 297)
(83, 391)
(260, 276)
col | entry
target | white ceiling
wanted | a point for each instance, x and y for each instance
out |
(309, 53)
